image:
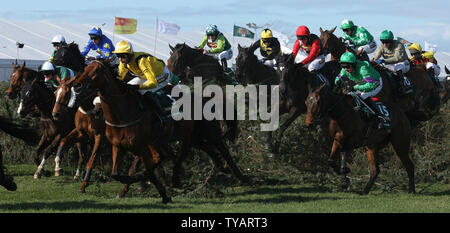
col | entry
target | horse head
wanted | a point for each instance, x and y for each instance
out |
(69, 56)
(331, 44)
(16, 81)
(242, 64)
(181, 56)
(35, 93)
(313, 104)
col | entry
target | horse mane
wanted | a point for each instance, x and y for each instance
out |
(69, 56)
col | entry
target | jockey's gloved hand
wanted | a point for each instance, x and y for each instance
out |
(133, 87)
(380, 61)
(348, 42)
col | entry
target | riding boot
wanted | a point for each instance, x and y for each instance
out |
(228, 73)
(403, 89)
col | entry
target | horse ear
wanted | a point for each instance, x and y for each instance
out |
(239, 46)
(321, 30)
(171, 48)
(332, 30)
(23, 65)
(446, 70)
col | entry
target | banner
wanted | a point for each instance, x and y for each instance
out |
(403, 41)
(125, 25)
(168, 28)
(243, 32)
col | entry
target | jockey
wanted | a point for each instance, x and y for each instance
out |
(58, 41)
(427, 58)
(54, 75)
(100, 44)
(394, 59)
(368, 84)
(151, 75)
(220, 47)
(269, 48)
(309, 43)
(359, 37)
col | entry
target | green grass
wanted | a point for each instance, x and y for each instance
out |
(59, 194)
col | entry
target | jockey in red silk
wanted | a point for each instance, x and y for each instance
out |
(310, 44)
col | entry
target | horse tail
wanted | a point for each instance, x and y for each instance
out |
(27, 134)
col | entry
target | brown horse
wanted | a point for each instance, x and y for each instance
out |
(88, 124)
(136, 134)
(19, 76)
(421, 106)
(36, 94)
(339, 108)
(69, 56)
(250, 71)
(186, 63)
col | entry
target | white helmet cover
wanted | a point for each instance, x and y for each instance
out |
(47, 66)
(58, 39)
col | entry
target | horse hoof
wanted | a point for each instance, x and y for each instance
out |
(82, 191)
(36, 176)
(119, 196)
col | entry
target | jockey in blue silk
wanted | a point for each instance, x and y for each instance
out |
(99, 43)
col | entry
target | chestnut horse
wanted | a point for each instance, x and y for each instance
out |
(36, 94)
(88, 125)
(340, 109)
(19, 76)
(422, 105)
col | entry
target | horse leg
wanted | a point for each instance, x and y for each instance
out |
(401, 147)
(373, 167)
(293, 114)
(81, 150)
(161, 172)
(87, 176)
(66, 142)
(149, 167)
(214, 156)
(345, 181)
(42, 144)
(131, 172)
(46, 154)
(234, 168)
(338, 136)
(185, 150)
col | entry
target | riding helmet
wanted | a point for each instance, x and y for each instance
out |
(96, 31)
(386, 35)
(346, 24)
(348, 57)
(302, 31)
(47, 66)
(123, 47)
(212, 30)
(58, 39)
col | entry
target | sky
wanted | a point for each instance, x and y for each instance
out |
(413, 20)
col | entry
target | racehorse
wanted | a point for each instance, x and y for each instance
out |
(88, 124)
(138, 134)
(293, 91)
(339, 108)
(250, 71)
(186, 63)
(19, 76)
(420, 106)
(70, 57)
(27, 134)
(36, 94)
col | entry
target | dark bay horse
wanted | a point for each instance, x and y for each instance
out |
(339, 108)
(293, 92)
(36, 94)
(70, 57)
(250, 71)
(186, 63)
(445, 92)
(421, 106)
(19, 76)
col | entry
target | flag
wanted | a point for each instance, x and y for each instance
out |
(124, 25)
(403, 41)
(243, 32)
(168, 28)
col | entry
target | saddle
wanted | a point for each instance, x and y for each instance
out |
(375, 112)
